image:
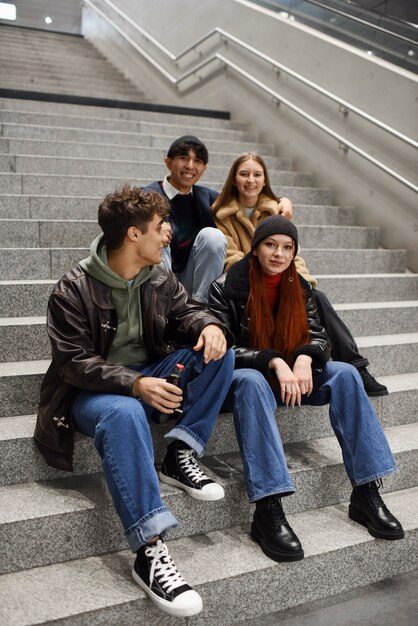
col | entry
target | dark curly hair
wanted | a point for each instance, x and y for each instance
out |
(129, 206)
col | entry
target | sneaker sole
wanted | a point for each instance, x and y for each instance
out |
(356, 516)
(275, 555)
(194, 493)
(167, 606)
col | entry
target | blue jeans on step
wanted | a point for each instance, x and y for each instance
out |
(204, 265)
(365, 450)
(119, 426)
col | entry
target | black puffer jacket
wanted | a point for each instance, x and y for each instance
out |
(228, 297)
(82, 324)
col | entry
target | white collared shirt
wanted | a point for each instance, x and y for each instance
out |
(171, 191)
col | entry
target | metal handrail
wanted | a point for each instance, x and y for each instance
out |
(277, 97)
(264, 57)
(343, 142)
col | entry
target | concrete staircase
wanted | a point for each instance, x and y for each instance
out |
(63, 558)
(48, 62)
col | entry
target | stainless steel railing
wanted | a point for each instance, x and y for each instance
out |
(218, 58)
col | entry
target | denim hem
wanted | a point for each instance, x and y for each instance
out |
(368, 479)
(279, 491)
(154, 523)
(185, 434)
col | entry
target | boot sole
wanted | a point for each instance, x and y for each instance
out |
(275, 555)
(376, 394)
(356, 516)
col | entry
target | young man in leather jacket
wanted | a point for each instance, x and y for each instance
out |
(119, 323)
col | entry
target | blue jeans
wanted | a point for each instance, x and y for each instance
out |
(205, 263)
(365, 450)
(119, 426)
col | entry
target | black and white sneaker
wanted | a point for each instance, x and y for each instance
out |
(156, 574)
(181, 469)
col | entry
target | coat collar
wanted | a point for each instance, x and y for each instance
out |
(237, 282)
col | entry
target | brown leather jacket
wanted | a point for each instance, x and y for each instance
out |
(81, 324)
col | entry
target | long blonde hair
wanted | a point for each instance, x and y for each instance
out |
(230, 191)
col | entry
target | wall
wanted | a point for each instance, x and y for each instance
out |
(383, 91)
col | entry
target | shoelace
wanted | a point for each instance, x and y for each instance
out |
(373, 494)
(163, 568)
(279, 517)
(190, 467)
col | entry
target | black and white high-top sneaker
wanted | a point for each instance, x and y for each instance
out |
(181, 469)
(156, 573)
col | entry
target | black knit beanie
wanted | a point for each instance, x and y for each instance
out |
(190, 140)
(274, 225)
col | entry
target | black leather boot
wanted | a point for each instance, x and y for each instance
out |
(272, 532)
(367, 508)
(371, 386)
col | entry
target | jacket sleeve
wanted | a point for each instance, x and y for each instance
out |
(319, 347)
(74, 353)
(233, 253)
(188, 318)
(229, 312)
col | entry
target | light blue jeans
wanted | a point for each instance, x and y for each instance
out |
(119, 426)
(205, 263)
(365, 450)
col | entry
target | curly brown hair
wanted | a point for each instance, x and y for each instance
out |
(129, 206)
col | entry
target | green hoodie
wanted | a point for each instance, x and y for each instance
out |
(128, 345)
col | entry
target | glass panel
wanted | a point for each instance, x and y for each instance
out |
(380, 35)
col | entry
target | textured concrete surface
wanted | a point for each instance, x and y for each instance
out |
(236, 582)
(385, 603)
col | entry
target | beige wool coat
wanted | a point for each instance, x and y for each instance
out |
(239, 229)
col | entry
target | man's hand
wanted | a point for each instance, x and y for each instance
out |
(167, 233)
(158, 393)
(289, 387)
(285, 208)
(302, 369)
(212, 339)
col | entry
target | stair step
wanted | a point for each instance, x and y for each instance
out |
(304, 424)
(117, 113)
(377, 318)
(46, 126)
(383, 351)
(47, 263)
(343, 288)
(79, 514)
(128, 139)
(46, 184)
(147, 131)
(127, 169)
(353, 261)
(62, 149)
(161, 124)
(339, 555)
(30, 296)
(26, 338)
(82, 208)
(53, 233)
